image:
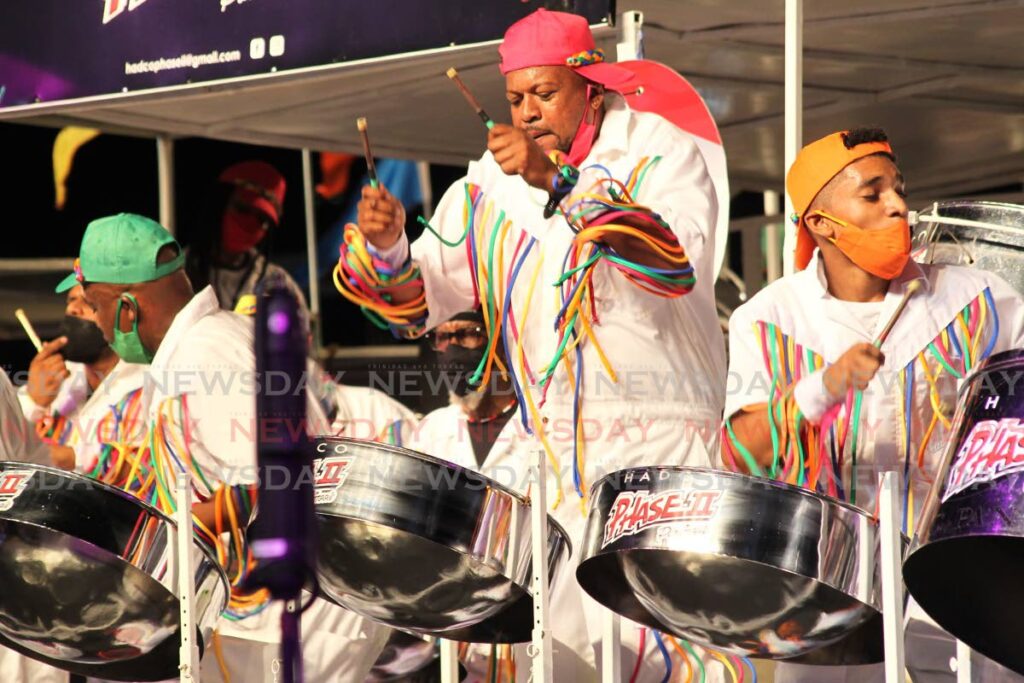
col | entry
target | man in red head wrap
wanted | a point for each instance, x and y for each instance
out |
(621, 365)
(231, 251)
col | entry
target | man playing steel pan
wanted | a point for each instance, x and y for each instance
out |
(628, 339)
(820, 393)
(199, 403)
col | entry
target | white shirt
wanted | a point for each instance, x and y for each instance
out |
(93, 418)
(666, 351)
(803, 310)
(361, 412)
(207, 357)
(86, 410)
(72, 392)
(444, 433)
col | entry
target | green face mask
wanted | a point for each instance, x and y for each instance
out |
(128, 345)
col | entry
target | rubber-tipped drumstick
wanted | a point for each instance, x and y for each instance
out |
(29, 330)
(912, 288)
(371, 168)
(454, 75)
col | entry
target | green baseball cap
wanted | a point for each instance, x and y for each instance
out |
(122, 250)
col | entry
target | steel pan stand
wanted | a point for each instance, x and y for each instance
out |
(892, 576)
(541, 667)
(188, 652)
(611, 640)
(449, 661)
(963, 662)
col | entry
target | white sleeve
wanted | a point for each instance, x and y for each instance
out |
(225, 430)
(224, 433)
(747, 382)
(446, 274)
(18, 440)
(679, 189)
(32, 412)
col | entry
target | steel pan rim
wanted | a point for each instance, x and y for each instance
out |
(203, 546)
(990, 364)
(774, 483)
(955, 203)
(441, 462)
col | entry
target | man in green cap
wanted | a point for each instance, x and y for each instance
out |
(200, 384)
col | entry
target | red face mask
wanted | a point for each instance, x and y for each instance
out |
(883, 252)
(241, 231)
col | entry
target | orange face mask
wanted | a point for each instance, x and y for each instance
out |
(883, 253)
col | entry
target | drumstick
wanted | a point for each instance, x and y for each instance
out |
(29, 330)
(371, 168)
(454, 75)
(912, 288)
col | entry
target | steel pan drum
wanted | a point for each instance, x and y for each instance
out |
(997, 247)
(421, 544)
(749, 566)
(967, 560)
(85, 571)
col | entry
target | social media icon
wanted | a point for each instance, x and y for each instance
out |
(276, 46)
(257, 48)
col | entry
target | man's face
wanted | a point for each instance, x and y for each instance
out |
(77, 306)
(548, 102)
(464, 333)
(869, 193)
(104, 300)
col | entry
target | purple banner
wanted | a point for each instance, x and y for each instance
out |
(57, 50)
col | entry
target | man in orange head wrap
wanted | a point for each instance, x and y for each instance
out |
(814, 397)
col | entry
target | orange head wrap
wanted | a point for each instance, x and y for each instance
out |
(815, 165)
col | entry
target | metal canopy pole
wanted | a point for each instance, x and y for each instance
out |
(772, 232)
(630, 46)
(165, 180)
(631, 36)
(311, 259)
(794, 123)
(889, 515)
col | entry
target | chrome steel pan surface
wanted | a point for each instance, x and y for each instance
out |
(965, 565)
(421, 544)
(750, 566)
(86, 578)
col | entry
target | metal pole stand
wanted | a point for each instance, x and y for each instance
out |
(963, 663)
(611, 642)
(449, 661)
(315, 325)
(793, 90)
(889, 511)
(188, 651)
(631, 36)
(541, 666)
